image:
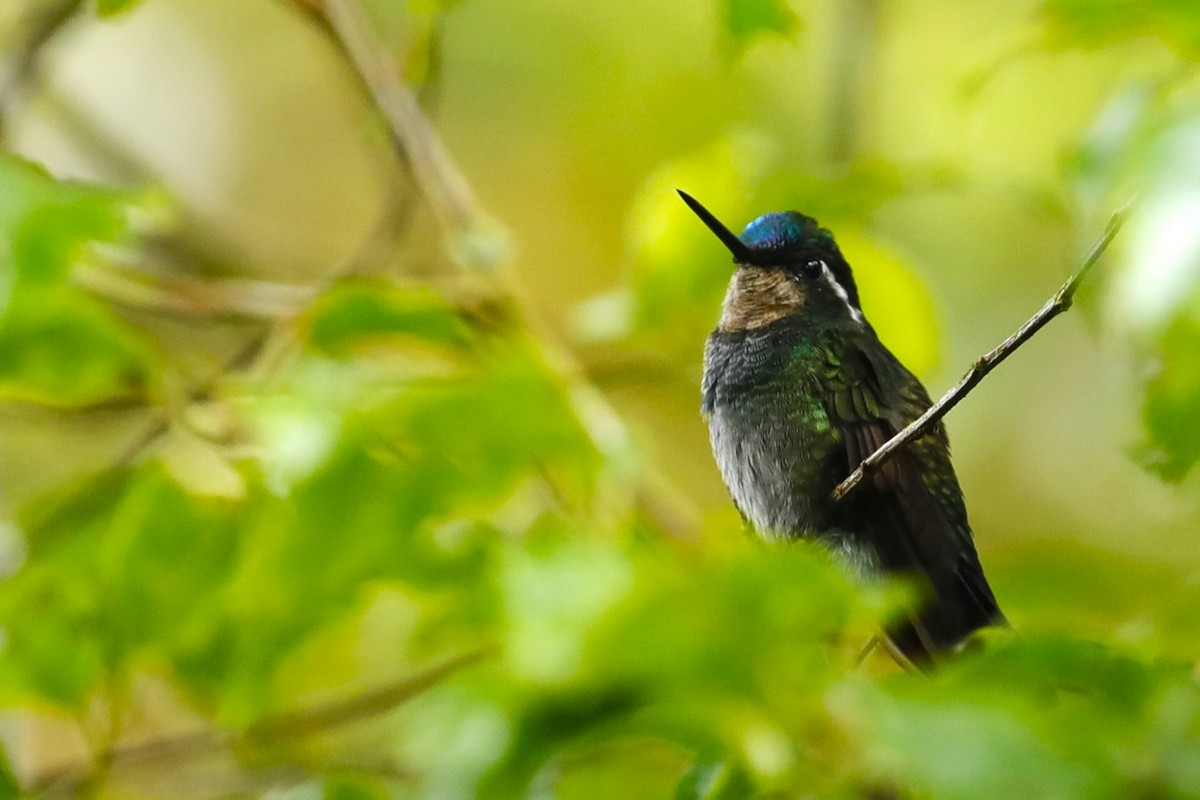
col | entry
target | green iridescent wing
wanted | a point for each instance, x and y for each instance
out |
(911, 511)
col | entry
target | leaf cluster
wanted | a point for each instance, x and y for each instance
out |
(426, 501)
(440, 477)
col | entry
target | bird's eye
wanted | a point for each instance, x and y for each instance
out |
(812, 269)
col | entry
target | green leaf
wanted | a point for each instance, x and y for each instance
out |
(45, 223)
(714, 781)
(1073, 711)
(10, 788)
(681, 654)
(1171, 410)
(950, 748)
(1100, 22)
(358, 315)
(554, 593)
(354, 786)
(53, 653)
(166, 554)
(1153, 292)
(748, 20)
(126, 572)
(62, 348)
(59, 346)
(108, 8)
(415, 483)
(633, 767)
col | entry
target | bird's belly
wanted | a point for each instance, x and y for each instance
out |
(776, 470)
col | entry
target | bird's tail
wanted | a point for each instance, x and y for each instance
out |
(955, 611)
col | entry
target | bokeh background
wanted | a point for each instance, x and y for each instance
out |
(247, 201)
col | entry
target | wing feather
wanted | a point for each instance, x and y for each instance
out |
(912, 529)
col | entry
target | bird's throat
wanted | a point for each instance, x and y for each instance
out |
(758, 296)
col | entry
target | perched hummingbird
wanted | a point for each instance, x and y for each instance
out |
(798, 390)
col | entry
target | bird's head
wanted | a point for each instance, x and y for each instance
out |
(787, 265)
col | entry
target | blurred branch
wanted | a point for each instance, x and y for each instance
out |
(111, 156)
(477, 243)
(1057, 304)
(44, 22)
(440, 180)
(191, 296)
(172, 291)
(617, 366)
(474, 238)
(69, 780)
(370, 704)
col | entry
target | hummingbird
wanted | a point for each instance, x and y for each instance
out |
(797, 391)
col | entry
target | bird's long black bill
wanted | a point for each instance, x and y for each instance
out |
(741, 253)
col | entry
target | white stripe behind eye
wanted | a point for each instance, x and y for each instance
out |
(855, 314)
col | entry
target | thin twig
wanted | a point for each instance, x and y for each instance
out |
(394, 218)
(1060, 302)
(183, 295)
(43, 25)
(475, 241)
(370, 704)
(268, 731)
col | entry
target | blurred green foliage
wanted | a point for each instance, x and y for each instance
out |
(59, 345)
(1099, 22)
(427, 482)
(109, 7)
(746, 20)
(1144, 143)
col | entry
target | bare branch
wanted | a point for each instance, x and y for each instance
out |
(475, 240)
(1057, 304)
(268, 731)
(44, 22)
(193, 296)
(479, 243)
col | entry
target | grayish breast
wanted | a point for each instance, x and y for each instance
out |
(765, 460)
(777, 452)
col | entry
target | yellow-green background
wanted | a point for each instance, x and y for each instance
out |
(959, 193)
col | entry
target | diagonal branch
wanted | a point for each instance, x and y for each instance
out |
(44, 23)
(271, 730)
(1057, 304)
(475, 240)
(479, 244)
